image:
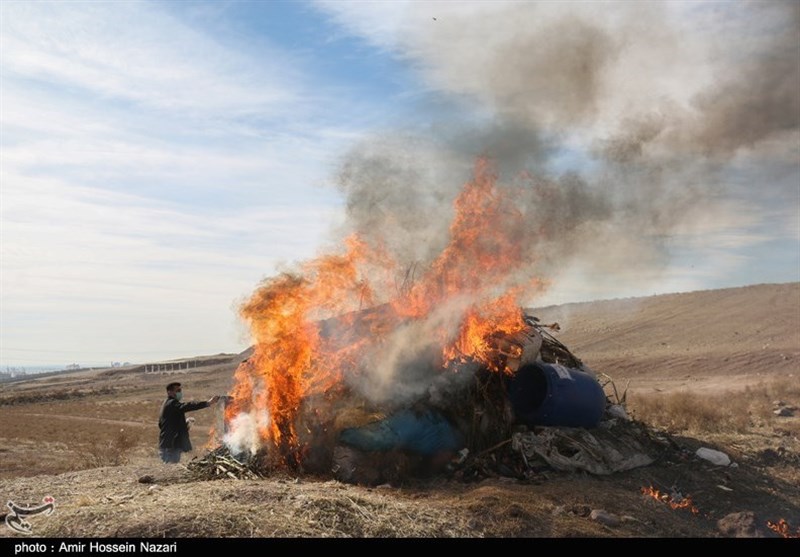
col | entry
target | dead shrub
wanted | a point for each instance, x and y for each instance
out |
(785, 389)
(729, 412)
(113, 452)
(690, 412)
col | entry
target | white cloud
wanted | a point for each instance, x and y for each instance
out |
(150, 178)
(100, 268)
(132, 51)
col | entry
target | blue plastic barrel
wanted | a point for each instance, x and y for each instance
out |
(555, 395)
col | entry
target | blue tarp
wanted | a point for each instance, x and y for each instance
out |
(426, 432)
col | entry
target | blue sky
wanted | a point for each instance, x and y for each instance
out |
(160, 158)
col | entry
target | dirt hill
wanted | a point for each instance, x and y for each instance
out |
(716, 339)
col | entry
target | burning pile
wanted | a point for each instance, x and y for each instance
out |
(356, 346)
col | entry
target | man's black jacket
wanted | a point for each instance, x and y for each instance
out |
(174, 434)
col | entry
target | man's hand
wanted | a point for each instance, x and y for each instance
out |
(213, 400)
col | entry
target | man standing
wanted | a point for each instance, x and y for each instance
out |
(173, 437)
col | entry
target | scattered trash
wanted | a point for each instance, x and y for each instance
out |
(724, 488)
(712, 456)
(458, 460)
(618, 411)
(783, 409)
(599, 451)
(605, 518)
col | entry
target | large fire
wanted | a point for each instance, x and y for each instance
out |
(465, 296)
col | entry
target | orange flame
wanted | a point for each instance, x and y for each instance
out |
(681, 503)
(295, 357)
(782, 527)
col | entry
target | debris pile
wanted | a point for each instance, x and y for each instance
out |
(547, 412)
(220, 464)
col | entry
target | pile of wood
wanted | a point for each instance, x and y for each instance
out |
(220, 464)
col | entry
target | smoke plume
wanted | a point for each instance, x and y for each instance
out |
(611, 125)
(600, 130)
(615, 122)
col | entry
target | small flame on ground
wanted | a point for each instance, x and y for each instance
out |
(673, 502)
(782, 527)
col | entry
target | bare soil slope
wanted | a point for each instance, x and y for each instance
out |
(710, 339)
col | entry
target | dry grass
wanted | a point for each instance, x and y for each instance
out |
(111, 503)
(14, 399)
(111, 452)
(729, 412)
(66, 435)
(688, 412)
